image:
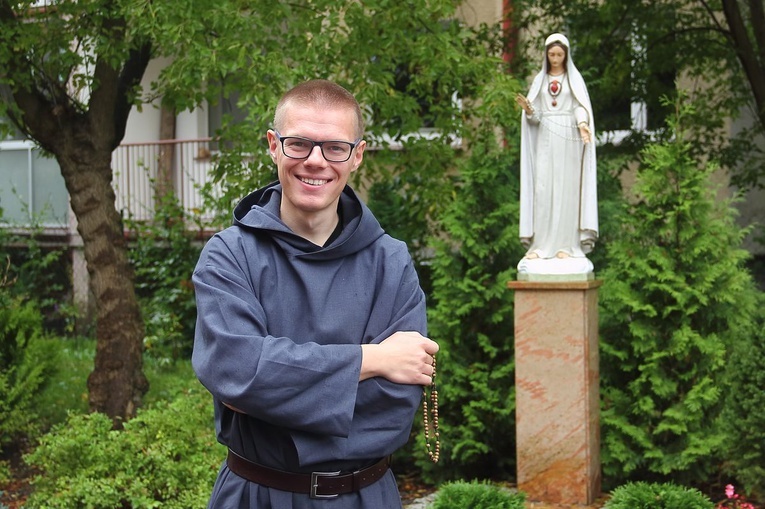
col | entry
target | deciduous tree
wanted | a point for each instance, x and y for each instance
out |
(70, 74)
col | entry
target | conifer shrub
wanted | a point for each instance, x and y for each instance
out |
(471, 312)
(644, 495)
(167, 456)
(743, 416)
(476, 495)
(676, 294)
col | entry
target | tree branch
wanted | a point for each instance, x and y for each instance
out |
(712, 13)
(130, 77)
(37, 114)
(111, 99)
(757, 13)
(745, 51)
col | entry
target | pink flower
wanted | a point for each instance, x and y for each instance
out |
(733, 498)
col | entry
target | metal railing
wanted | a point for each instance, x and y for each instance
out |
(139, 168)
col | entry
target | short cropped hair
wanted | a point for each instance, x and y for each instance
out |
(319, 93)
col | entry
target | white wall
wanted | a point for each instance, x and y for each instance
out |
(143, 126)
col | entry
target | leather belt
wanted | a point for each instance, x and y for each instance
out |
(315, 484)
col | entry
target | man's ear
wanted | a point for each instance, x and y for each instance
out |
(358, 155)
(273, 144)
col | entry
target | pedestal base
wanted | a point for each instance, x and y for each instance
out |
(557, 393)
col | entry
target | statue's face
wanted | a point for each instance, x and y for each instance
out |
(556, 58)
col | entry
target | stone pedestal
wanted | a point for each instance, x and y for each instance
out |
(557, 393)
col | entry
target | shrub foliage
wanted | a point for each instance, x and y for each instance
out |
(27, 359)
(643, 495)
(743, 418)
(471, 313)
(163, 256)
(676, 293)
(477, 495)
(167, 456)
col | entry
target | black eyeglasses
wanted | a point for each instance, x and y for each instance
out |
(333, 151)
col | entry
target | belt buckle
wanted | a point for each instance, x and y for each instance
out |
(315, 484)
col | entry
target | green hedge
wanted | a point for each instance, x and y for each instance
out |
(27, 360)
(743, 417)
(676, 296)
(643, 495)
(167, 456)
(476, 495)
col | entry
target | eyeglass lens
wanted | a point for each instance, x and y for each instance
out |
(300, 148)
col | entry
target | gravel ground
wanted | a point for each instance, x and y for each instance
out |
(421, 503)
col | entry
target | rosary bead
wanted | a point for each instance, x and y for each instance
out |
(434, 455)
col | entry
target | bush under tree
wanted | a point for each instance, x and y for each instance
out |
(167, 456)
(27, 359)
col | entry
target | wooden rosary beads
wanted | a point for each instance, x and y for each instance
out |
(433, 452)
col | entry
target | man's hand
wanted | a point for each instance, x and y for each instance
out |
(404, 358)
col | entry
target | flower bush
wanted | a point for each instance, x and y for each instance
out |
(733, 500)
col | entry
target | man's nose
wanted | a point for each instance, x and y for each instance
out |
(316, 153)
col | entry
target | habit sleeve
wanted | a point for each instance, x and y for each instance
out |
(306, 385)
(271, 378)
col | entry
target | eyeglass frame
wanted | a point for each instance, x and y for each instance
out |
(314, 144)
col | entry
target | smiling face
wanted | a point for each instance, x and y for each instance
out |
(311, 187)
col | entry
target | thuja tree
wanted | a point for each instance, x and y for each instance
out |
(676, 294)
(743, 418)
(471, 313)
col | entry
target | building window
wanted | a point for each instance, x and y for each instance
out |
(32, 190)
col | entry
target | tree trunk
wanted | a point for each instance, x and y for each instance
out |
(117, 382)
(750, 52)
(82, 139)
(165, 180)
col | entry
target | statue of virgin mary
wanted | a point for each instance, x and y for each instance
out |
(559, 213)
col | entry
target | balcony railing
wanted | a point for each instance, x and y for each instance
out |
(140, 169)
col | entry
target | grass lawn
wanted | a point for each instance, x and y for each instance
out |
(67, 390)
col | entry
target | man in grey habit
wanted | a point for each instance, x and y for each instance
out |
(311, 325)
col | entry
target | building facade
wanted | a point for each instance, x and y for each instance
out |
(32, 191)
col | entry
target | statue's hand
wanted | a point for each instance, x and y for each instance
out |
(584, 132)
(524, 103)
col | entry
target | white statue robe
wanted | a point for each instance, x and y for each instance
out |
(558, 172)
